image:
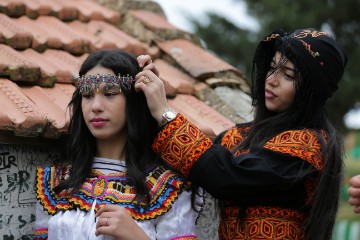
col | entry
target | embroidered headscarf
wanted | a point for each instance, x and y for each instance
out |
(321, 57)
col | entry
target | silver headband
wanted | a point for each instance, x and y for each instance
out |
(85, 83)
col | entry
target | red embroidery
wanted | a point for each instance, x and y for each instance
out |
(262, 223)
(298, 143)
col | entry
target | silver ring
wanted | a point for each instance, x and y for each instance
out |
(106, 224)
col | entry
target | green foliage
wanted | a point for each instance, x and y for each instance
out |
(237, 45)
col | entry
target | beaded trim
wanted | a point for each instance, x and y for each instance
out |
(85, 83)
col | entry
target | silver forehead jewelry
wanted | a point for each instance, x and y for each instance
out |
(87, 83)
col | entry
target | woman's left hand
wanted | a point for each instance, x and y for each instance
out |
(116, 221)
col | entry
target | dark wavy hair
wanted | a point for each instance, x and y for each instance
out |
(141, 129)
(306, 111)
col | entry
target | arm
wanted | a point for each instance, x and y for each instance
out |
(202, 162)
(354, 192)
(248, 177)
(41, 223)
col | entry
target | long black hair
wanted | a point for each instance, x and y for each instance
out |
(141, 129)
(306, 111)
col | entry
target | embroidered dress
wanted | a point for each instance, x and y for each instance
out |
(267, 191)
(66, 216)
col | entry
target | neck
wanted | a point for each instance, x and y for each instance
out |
(111, 149)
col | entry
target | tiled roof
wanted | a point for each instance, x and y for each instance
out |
(43, 43)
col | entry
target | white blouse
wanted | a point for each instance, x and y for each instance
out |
(178, 222)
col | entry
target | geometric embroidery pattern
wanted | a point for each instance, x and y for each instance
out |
(233, 137)
(261, 223)
(272, 222)
(181, 144)
(164, 188)
(298, 143)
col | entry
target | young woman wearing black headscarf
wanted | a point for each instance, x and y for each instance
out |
(279, 176)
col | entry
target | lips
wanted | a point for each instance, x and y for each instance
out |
(98, 122)
(269, 94)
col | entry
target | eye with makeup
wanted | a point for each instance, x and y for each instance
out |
(112, 91)
(289, 75)
(110, 94)
(87, 95)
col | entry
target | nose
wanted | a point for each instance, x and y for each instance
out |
(97, 104)
(271, 79)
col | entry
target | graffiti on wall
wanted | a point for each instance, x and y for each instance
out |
(17, 188)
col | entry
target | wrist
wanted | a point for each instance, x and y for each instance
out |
(167, 116)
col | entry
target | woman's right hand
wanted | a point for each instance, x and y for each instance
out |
(115, 221)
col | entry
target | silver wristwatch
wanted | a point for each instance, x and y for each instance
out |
(168, 115)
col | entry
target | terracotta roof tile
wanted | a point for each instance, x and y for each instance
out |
(186, 53)
(43, 43)
(52, 103)
(174, 79)
(200, 113)
(17, 67)
(104, 35)
(89, 10)
(56, 66)
(13, 34)
(19, 114)
(84, 10)
(152, 20)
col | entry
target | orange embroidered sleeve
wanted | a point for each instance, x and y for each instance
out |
(180, 143)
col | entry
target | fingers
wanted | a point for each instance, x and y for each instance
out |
(357, 209)
(355, 181)
(109, 208)
(143, 60)
(108, 218)
(146, 63)
(146, 79)
(354, 192)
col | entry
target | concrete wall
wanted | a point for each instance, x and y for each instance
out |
(18, 164)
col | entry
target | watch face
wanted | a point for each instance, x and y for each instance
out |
(171, 114)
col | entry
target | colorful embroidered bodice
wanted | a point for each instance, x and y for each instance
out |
(110, 189)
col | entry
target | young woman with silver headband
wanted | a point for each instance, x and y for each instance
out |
(111, 176)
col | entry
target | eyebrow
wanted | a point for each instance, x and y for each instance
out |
(285, 67)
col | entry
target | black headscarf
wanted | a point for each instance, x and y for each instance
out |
(319, 54)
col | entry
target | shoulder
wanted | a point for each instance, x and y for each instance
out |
(165, 187)
(235, 135)
(46, 179)
(161, 177)
(52, 175)
(303, 143)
